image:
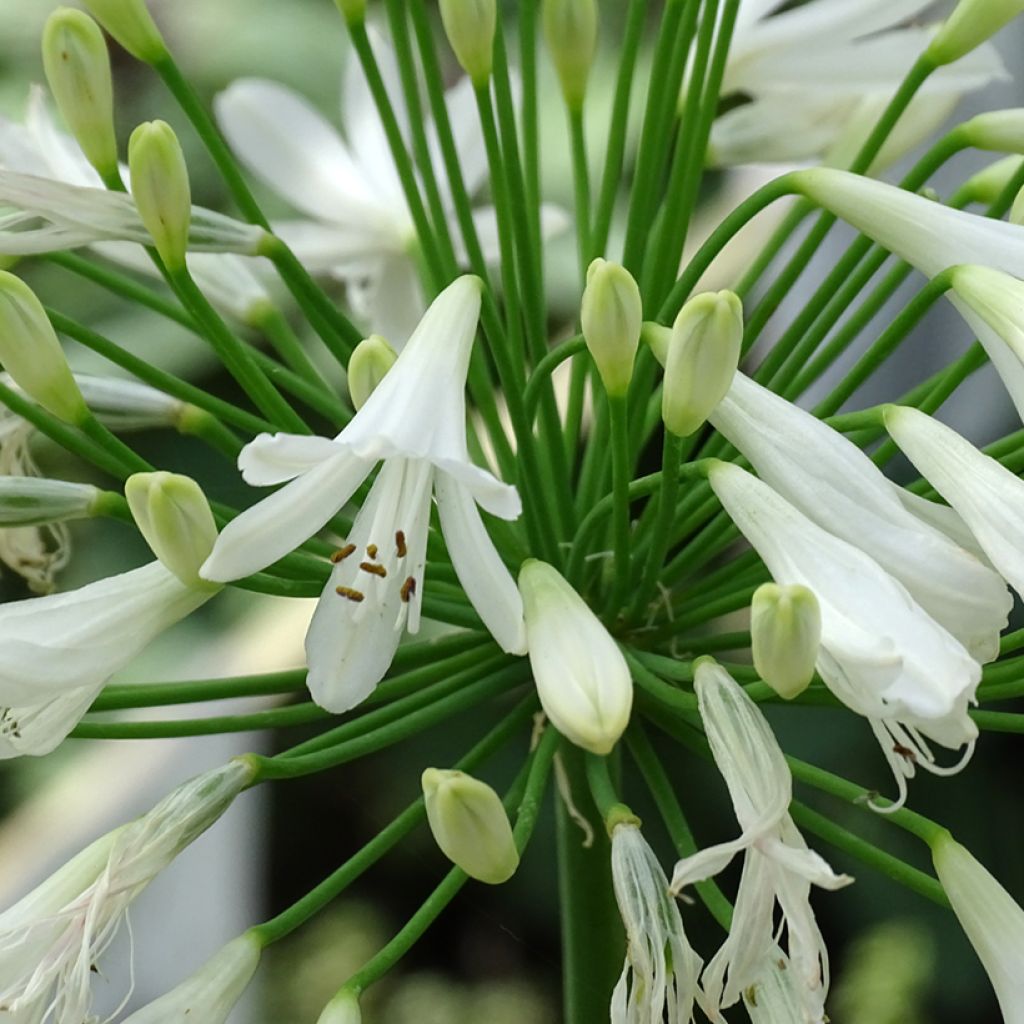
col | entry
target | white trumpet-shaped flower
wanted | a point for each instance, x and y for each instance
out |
(358, 227)
(659, 975)
(881, 654)
(817, 77)
(987, 496)
(832, 482)
(52, 940)
(775, 998)
(415, 421)
(210, 994)
(778, 865)
(992, 919)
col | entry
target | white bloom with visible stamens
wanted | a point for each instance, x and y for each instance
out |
(881, 654)
(415, 422)
(832, 482)
(51, 941)
(778, 865)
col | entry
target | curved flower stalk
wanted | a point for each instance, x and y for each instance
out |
(778, 866)
(52, 940)
(358, 227)
(881, 654)
(985, 494)
(819, 75)
(832, 482)
(659, 975)
(415, 423)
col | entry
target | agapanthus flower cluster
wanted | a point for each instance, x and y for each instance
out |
(535, 461)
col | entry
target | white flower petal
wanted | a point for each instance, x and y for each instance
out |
(40, 728)
(274, 458)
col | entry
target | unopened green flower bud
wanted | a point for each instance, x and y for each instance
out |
(970, 24)
(470, 25)
(160, 188)
(702, 357)
(612, 315)
(369, 362)
(33, 500)
(470, 825)
(342, 1009)
(1001, 131)
(570, 28)
(130, 23)
(989, 184)
(174, 516)
(353, 11)
(785, 635)
(77, 67)
(32, 355)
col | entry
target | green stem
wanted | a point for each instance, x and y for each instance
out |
(581, 188)
(619, 412)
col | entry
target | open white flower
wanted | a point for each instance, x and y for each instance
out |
(359, 228)
(987, 496)
(778, 865)
(659, 975)
(881, 654)
(775, 998)
(831, 481)
(819, 75)
(51, 941)
(415, 421)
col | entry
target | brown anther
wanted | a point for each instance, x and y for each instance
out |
(351, 593)
(371, 550)
(342, 553)
(372, 567)
(408, 589)
(400, 544)
(904, 752)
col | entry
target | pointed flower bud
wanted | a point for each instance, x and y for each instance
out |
(32, 501)
(470, 25)
(353, 11)
(77, 67)
(970, 24)
(32, 355)
(161, 190)
(570, 28)
(582, 678)
(612, 316)
(785, 635)
(210, 994)
(987, 185)
(342, 1009)
(174, 516)
(470, 825)
(1001, 131)
(369, 362)
(702, 357)
(994, 923)
(130, 23)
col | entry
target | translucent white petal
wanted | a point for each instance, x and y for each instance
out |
(349, 253)
(274, 458)
(40, 728)
(943, 518)
(394, 299)
(483, 575)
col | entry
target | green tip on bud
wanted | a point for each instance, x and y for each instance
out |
(785, 635)
(160, 188)
(367, 366)
(612, 316)
(570, 29)
(470, 825)
(703, 353)
(32, 354)
(971, 24)
(342, 1009)
(130, 23)
(1000, 131)
(174, 516)
(353, 11)
(77, 67)
(470, 26)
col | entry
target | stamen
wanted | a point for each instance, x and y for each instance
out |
(408, 589)
(372, 567)
(904, 752)
(351, 593)
(342, 553)
(371, 550)
(400, 544)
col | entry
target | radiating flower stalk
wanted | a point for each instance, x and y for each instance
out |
(589, 495)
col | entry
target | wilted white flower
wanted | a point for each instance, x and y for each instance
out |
(775, 998)
(415, 421)
(881, 654)
(51, 941)
(778, 866)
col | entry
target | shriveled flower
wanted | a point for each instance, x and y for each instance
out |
(778, 865)
(51, 941)
(659, 975)
(415, 423)
(881, 654)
